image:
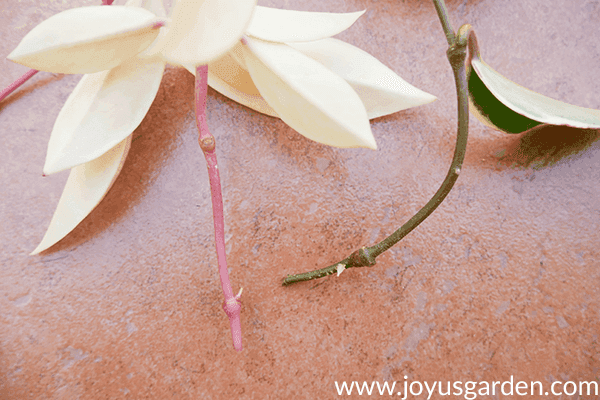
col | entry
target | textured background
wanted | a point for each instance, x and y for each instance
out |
(503, 279)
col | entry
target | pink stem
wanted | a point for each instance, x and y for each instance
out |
(13, 86)
(232, 305)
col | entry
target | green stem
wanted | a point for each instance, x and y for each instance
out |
(365, 257)
(442, 12)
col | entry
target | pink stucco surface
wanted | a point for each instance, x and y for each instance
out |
(502, 280)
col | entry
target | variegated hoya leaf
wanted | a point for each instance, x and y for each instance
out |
(502, 104)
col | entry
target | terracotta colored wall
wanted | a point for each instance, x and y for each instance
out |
(502, 280)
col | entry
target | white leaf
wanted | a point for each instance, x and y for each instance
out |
(381, 90)
(87, 39)
(307, 96)
(85, 188)
(203, 30)
(533, 105)
(228, 77)
(236, 83)
(103, 109)
(156, 7)
(277, 25)
(340, 268)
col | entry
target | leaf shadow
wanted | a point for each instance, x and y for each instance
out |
(28, 87)
(272, 136)
(545, 145)
(152, 146)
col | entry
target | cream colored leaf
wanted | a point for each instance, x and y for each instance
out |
(234, 82)
(156, 7)
(103, 109)
(86, 186)
(87, 39)
(381, 90)
(307, 96)
(278, 25)
(228, 77)
(533, 105)
(203, 30)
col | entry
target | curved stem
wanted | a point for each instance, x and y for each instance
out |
(451, 177)
(13, 86)
(365, 257)
(231, 305)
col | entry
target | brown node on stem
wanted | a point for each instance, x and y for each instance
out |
(207, 144)
(361, 258)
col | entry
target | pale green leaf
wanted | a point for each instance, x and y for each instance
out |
(381, 90)
(307, 96)
(103, 109)
(278, 25)
(86, 186)
(87, 39)
(202, 30)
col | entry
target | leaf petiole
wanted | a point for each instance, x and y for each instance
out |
(16, 84)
